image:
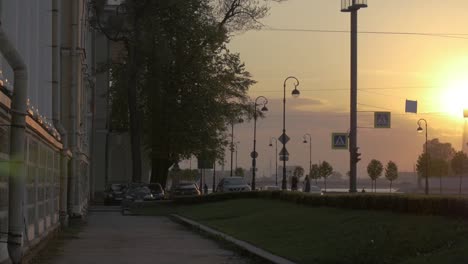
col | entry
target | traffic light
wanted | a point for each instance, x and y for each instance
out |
(356, 155)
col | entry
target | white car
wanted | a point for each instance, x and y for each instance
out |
(233, 184)
(315, 190)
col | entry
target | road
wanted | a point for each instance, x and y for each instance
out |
(109, 237)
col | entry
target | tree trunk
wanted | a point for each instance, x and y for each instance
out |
(160, 170)
(390, 186)
(460, 185)
(133, 116)
(440, 184)
(325, 184)
(135, 132)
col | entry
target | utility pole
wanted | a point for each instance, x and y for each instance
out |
(353, 7)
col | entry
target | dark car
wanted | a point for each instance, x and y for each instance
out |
(156, 190)
(136, 195)
(184, 189)
(114, 193)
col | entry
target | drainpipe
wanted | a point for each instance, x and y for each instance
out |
(56, 109)
(73, 199)
(17, 175)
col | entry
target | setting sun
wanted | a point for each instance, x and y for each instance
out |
(452, 97)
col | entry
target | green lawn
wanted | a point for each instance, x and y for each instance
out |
(330, 235)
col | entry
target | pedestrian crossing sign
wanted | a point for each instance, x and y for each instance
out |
(382, 120)
(339, 140)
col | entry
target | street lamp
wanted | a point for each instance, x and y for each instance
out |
(353, 6)
(295, 93)
(310, 150)
(276, 160)
(232, 140)
(254, 153)
(237, 147)
(420, 130)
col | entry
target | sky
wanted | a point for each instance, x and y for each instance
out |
(392, 67)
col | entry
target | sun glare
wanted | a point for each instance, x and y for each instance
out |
(452, 97)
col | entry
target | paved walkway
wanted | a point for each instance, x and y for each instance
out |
(109, 237)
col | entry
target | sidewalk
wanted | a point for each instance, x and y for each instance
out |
(109, 237)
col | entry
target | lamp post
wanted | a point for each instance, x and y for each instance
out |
(310, 150)
(276, 160)
(232, 141)
(254, 153)
(236, 146)
(353, 6)
(420, 130)
(294, 93)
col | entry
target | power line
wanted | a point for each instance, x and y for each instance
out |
(425, 34)
(377, 107)
(362, 89)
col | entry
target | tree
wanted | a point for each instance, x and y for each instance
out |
(391, 172)
(239, 172)
(374, 169)
(181, 82)
(439, 150)
(439, 167)
(421, 165)
(459, 165)
(325, 170)
(297, 174)
(125, 28)
(315, 172)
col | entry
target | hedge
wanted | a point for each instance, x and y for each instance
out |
(401, 203)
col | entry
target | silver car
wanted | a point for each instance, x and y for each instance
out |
(233, 184)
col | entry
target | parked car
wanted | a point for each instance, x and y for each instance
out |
(233, 184)
(156, 190)
(135, 195)
(114, 193)
(315, 190)
(184, 189)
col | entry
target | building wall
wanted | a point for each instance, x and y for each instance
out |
(28, 24)
(76, 89)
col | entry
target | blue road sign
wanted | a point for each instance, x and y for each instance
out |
(382, 120)
(339, 140)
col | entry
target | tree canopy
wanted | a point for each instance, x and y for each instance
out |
(188, 84)
(459, 163)
(374, 169)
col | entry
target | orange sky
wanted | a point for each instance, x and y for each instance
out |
(392, 68)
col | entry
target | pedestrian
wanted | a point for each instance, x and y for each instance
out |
(307, 184)
(294, 181)
(205, 189)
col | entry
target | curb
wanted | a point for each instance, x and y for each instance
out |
(265, 255)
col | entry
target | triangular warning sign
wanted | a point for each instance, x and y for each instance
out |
(382, 120)
(340, 141)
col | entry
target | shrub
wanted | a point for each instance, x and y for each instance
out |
(401, 203)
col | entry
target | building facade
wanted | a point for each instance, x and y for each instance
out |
(51, 179)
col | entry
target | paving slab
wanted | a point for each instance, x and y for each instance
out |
(109, 237)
